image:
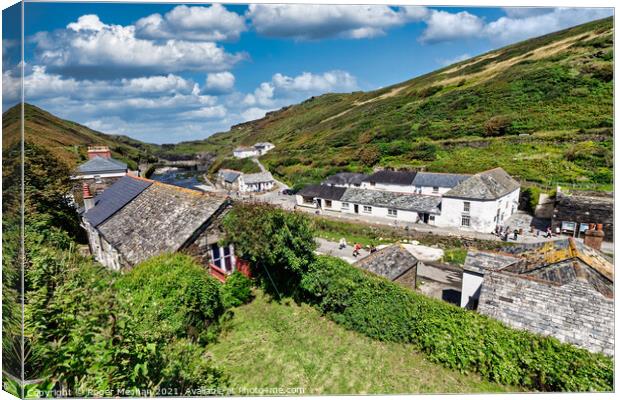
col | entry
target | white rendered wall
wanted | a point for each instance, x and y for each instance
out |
(470, 286)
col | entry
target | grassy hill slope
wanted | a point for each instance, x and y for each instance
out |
(466, 117)
(269, 344)
(67, 140)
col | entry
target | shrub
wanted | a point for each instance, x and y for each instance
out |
(424, 151)
(457, 338)
(171, 296)
(278, 244)
(369, 155)
(237, 290)
(497, 126)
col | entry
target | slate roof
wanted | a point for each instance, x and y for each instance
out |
(558, 262)
(160, 219)
(390, 262)
(487, 185)
(263, 144)
(229, 175)
(322, 192)
(257, 177)
(244, 148)
(436, 179)
(392, 177)
(345, 178)
(399, 201)
(115, 197)
(480, 261)
(101, 165)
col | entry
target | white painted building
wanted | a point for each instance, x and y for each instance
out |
(245, 152)
(263, 147)
(481, 202)
(258, 182)
(478, 202)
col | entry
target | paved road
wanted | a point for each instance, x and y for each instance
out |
(331, 248)
(281, 185)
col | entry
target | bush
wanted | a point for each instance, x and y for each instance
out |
(497, 126)
(369, 155)
(237, 290)
(425, 151)
(278, 244)
(171, 296)
(457, 338)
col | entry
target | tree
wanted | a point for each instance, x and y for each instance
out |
(369, 155)
(279, 244)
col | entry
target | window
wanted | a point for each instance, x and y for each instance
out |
(431, 218)
(308, 200)
(216, 257)
(222, 257)
(372, 183)
(328, 204)
(465, 220)
(228, 265)
(435, 189)
(392, 212)
(466, 206)
(98, 179)
(367, 209)
(344, 206)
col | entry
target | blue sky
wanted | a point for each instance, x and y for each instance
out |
(169, 73)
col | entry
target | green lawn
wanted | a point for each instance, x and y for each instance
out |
(271, 344)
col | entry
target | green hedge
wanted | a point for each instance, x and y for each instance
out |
(457, 338)
(237, 290)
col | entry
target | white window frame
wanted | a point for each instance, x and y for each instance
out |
(465, 218)
(328, 203)
(344, 206)
(466, 206)
(392, 212)
(367, 209)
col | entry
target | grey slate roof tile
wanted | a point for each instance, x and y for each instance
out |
(258, 177)
(392, 177)
(399, 201)
(390, 262)
(160, 219)
(322, 192)
(487, 185)
(345, 178)
(435, 179)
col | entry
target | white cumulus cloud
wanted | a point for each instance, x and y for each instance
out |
(310, 22)
(446, 26)
(214, 23)
(90, 48)
(220, 82)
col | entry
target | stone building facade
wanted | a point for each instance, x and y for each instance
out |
(563, 289)
(574, 211)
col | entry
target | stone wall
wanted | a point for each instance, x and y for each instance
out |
(583, 207)
(408, 279)
(573, 313)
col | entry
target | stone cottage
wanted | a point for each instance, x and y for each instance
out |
(562, 289)
(394, 263)
(135, 219)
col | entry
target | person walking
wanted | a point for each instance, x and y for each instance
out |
(356, 249)
(342, 243)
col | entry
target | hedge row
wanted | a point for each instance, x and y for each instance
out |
(459, 339)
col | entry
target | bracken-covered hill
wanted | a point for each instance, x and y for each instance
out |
(67, 140)
(542, 109)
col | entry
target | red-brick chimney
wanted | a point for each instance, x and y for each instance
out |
(89, 201)
(99, 151)
(594, 236)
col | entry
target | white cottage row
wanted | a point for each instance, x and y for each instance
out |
(477, 202)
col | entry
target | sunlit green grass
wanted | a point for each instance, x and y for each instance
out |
(271, 344)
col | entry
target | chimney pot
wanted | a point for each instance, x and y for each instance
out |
(89, 201)
(594, 238)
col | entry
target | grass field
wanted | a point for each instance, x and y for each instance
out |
(271, 344)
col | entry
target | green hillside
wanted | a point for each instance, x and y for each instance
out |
(542, 109)
(68, 140)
